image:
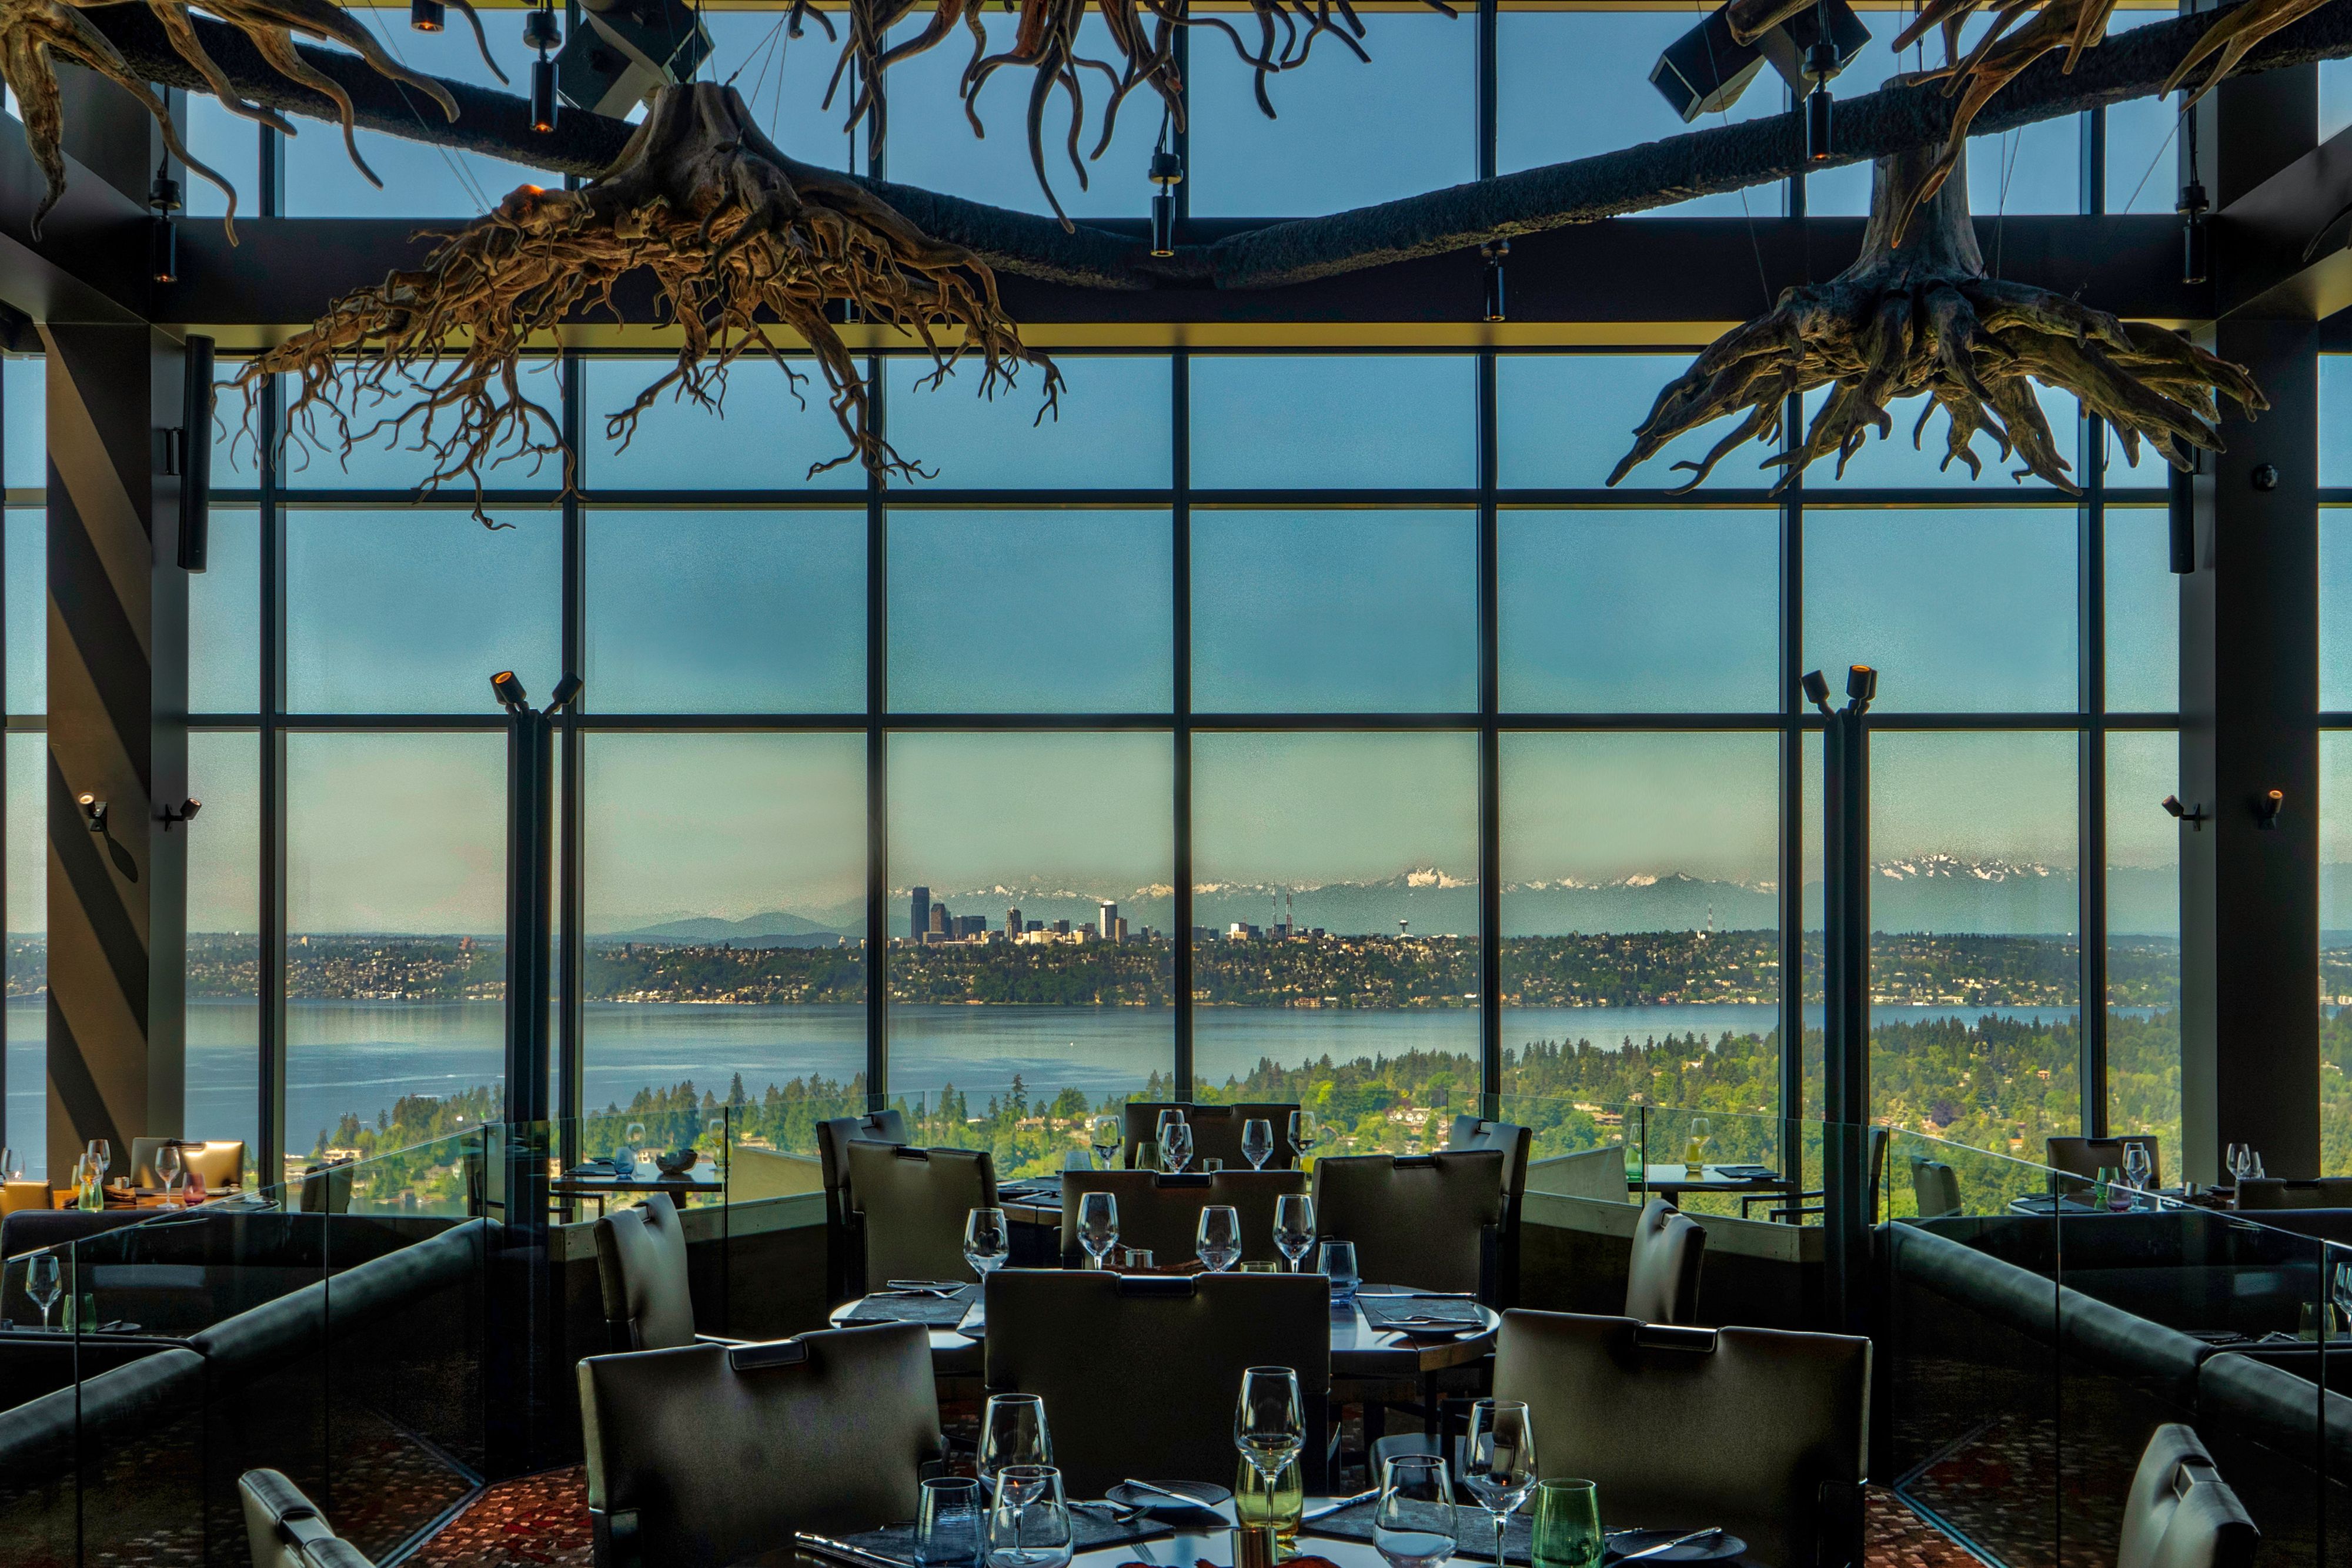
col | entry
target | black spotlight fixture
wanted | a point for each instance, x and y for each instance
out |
(2196, 818)
(2267, 807)
(1497, 302)
(185, 811)
(539, 31)
(426, 16)
(1167, 172)
(565, 690)
(93, 812)
(164, 241)
(2193, 208)
(1821, 64)
(509, 692)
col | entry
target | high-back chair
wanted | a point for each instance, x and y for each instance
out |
(327, 1189)
(285, 1530)
(912, 1204)
(1476, 1133)
(1610, 1396)
(1936, 1187)
(219, 1161)
(2086, 1158)
(32, 1195)
(712, 1454)
(1139, 1373)
(2180, 1513)
(844, 1249)
(2281, 1192)
(1429, 1221)
(1162, 1213)
(1662, 1277)
(641, 1270)
(1216, 1130)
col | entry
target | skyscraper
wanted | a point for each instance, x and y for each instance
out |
(1110, 920)
(1011, 923)
(939, 918)
(918, 912)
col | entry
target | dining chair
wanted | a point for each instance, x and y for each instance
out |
(844, 1249)
(2180, 1513)
(284, 1530)
(641, 1270)
(1429, 1221)
(2086, 1158)
(33, 1194)
(911, 1205)
(1935, 1188)
(327, 1189)
(1139, 1373)
(1662, 1276)
(1216, 1130)
(219, 1161)
(1478, 1132)
(709, 1455)
(1759, 1431)
(2283, 1192)
(1162, 1213)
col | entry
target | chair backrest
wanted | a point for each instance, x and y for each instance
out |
(913, 1204)
(641, 1267)
(32, 1193)
(1216, 1130)
(1937, 1189)
(1426, 1220)
(714, 1454)
(845, 1251)
(2280, 1192)
(1163, 1213)
(326, 1189)
(2176, 1489)
(2086, 1158)
(1476, 1133)
(1609, 1395)
(1139, 1373)
(285, 1530)
(220, 1161)
(1662, 1277)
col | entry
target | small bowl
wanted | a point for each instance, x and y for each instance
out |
(678, 1164)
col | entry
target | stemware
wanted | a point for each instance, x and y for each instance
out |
(167, 1171)
(987, 1241)
(1170, 1117)
(1218, 1242)
(634, 1151)
(44, 1283)
(1294, 1227)
(1013, 1434)
(1257, 1142)
(1339, 1267)
(1097, 1225)
(1694, 1147)
(1499, 1461)
(1303, 1134)
(1568, 1532)
(948, 1523)
(1269, 1422)
(1414, 1524)
(12, 1165)
(1107, 1135)
(1029, 1522)
(1176, 1145)
(2137, 1170)
(101, 1155)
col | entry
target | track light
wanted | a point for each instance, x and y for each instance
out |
(1817, 690)
(539, 31)
(2267, 807)
(93, 812)
(185, 811)
(565, 690)
(1497, 304)
(1167, 172)
(1861, 683)
(426, 16)
(164, 241)
(2196, 819)
(509, 691)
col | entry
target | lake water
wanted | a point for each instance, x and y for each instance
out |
(360, 1057)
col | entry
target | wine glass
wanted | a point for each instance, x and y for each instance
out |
(987, 1241)
(1257, 1143)
(1694, 1149)
(626, 1158)
(1414, 1525)
(44, 1283)
(949, 1524)
(1013, 1434)
(12, 1165)
(1294, 1227)
(101, 1155)
(1107, 1134)
(1029, 1522)
(1218, 1242)
(167, 1171)
(2137, 1168)
(1498, 1462)
(2242, 1161)
(1269, 1422)
(1303, 1133)
(1170, 1117)
(1176, 1145)
(1097, 1225)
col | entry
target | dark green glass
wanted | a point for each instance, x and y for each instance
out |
(1567, 1525)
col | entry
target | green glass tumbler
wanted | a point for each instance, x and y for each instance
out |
(1567, 1525)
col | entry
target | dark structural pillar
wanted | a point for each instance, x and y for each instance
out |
(118, 699)
(1846, 1217)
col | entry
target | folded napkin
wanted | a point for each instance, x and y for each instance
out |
(1389, 1311)
(936, 1311)
(1747, 1173)
(1477, 1526)
(1091, 1526)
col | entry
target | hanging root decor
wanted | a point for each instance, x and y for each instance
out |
(1919, 315)
(738, 238)
(33, 34)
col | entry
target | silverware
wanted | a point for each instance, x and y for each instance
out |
(1118, 1514)
(1163, 1492)
(1337, 1505)
(1670, 1545)
(842, 1551)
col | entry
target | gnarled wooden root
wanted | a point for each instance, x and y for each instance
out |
(738, 238)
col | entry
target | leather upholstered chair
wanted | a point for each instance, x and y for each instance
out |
(1216, 1130)
(285, 1530)
(713, 1454)
(2279, 1192)
(1935, 1188)
(641, 1267)
(1163, 1212)
(912, 1204)
(2180, 1513)
(1429, 1221)
(1662, 1277)
(220, 1161)
(327, 1189)
(1175, 1347)
(2086, 1158)
(843, 1249)
(1515, 1141)
(1610, 1396)
(33, 1194)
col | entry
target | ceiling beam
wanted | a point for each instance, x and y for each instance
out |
(2282, 249)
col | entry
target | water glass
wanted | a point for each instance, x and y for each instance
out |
(1109, 1131)
(1567, 1525)
(1029, 1522)
(948, 1523)
(44, 1282)
(1294, 1227)
(1498, 1462)
(1176, 1145)
(1414, 1526)
(987, 1241)
(1339, 1267)
(1218, 1242)
(1012, 1435)
(1303, 1134)
(1257, 1143)
(1269, 1421)
(1097, 1225)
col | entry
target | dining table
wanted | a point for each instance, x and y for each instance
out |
(598, 1183)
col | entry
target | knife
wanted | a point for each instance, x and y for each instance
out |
(1670, 1545)
(1337, 1505)
(842, 1551)
(1162, 1491)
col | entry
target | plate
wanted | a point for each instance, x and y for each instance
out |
(1711, 1549)
(1209, 1496)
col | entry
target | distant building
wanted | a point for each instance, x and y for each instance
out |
(939, 918)
(1118, 928)
(1061, 928)
(919, 912)
(1035, 925)
(966, 926)
(1013, 926)
(1110, 919)
(1239, 930)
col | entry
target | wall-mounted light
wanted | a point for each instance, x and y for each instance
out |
(509, 691)
(426, 16)
(93, 812)
(2196, 819)
(185, 811)
(2267, 807)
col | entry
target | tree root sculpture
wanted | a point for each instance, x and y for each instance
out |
(34, 33)
(738, 238)
(1918, 314)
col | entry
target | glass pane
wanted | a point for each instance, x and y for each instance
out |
(729, 964)
(1335, 927)
(1536, 122)
(1895, 461)
(224, 941)
(1639, 611)
(225, 618)
(25, 607)
(1349, 134)
(783, 78)
(395, 919)
(2334, 952)
(24, 425)
(724, 611)
(1563, 421)
(971, 594)
(1272, 422)
(769, 436)
(1974, 894)
(388, 455)
(2143, 151)
(2334, 399)
(231, 145)
(1109, 432)
(411, 611)
(2335, 609)
(2143, 937)
(1640, 916)
(2143, 612)
(1353, 611)
(2334, 97)
(1885, 589)
(28, 1014)
(1069, 835)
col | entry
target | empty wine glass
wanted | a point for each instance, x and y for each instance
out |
(634, 1140)
(1218, 1241)
(1269, 1421)
(1414, 1525)
(1176, 1143)
(987, 1241)
(44, 1283)
(1303, 1134)
(1499, 1461)
(2241, 1158)
(1294, 1227)
(1107, 1135)
(1097, 1225)
(2139, 1169)
(1257, 1143)
(1169, 1117)
(1029, 1522)
(1012, 1433)
(12, 1165)
(101, 1155)
(167, 1171)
